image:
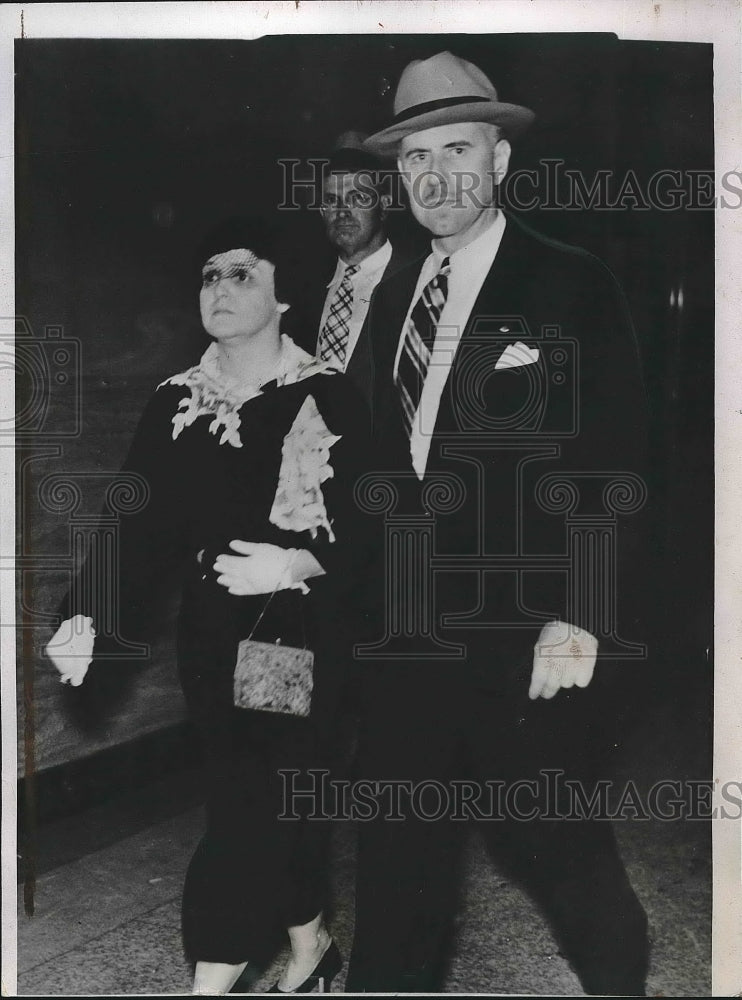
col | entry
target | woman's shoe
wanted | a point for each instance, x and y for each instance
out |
(246, 980)
(322, 976)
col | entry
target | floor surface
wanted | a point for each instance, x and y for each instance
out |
(106, 918)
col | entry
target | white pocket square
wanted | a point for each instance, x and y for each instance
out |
(516, 355)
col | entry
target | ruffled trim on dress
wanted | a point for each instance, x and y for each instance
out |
(305, 456)
(305, 464)
(211, 394)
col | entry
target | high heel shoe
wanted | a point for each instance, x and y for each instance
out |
(322, 975)
(246, 980)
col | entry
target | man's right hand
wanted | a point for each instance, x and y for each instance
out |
(71, 649)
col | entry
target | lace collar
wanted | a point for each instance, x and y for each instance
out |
(213, 395)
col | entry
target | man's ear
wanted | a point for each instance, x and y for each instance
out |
(501, 159)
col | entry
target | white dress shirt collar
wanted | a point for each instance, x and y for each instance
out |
(369, 265)
(483, 247)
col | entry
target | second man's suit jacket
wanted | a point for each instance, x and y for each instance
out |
(360, 367)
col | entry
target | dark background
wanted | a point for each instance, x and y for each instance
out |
(128, 150)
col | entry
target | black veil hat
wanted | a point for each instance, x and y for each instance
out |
(263, 236)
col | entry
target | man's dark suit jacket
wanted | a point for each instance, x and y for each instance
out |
(527, 453)
(360, 367)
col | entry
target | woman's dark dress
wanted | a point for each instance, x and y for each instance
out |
(252, 873)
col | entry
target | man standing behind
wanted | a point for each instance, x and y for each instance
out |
(508, 391)
(354, 214)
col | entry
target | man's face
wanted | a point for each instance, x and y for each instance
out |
(353, 215)
(450, 173)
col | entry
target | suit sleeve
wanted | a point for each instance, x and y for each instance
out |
(607, 462)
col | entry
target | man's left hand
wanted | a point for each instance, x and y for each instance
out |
(564, 656)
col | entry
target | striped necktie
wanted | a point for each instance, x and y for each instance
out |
(333, 339)
(418, 342)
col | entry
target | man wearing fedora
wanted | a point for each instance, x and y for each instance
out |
(509, 410)
(354, 215)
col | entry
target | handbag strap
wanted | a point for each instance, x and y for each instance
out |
(270, 598)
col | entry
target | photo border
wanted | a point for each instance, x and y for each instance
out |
(714, 21)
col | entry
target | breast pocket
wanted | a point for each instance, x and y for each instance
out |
(505, 400)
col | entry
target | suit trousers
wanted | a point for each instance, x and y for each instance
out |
(464, 753)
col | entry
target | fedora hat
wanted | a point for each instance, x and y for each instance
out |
(349, 153)
(352, 139)
(444, 90)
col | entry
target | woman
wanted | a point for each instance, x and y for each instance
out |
(258, 442)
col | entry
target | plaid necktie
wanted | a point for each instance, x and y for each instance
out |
(333, 339)
(418, 342)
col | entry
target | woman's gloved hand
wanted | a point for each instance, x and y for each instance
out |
(260, 568)
(71, 649)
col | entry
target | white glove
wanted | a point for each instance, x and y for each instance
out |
(71, 649)
(260, 568)
(563, 656)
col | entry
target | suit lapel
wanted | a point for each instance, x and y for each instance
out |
(386, 319)
(362, 364)
(498, 286)
(497, 299)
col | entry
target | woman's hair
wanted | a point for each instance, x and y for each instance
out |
(258, 234)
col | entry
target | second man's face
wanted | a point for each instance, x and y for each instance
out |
(353, 215)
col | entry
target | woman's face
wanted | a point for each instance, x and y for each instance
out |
(238, 297)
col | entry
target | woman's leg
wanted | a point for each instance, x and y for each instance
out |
(306, 856)
(216, 978)
(309, 942)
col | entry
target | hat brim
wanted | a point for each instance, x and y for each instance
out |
(512, 118)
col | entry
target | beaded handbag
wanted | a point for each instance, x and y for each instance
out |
(271, 677)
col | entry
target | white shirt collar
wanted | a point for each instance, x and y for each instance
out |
(485, 244)
(374, 262)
